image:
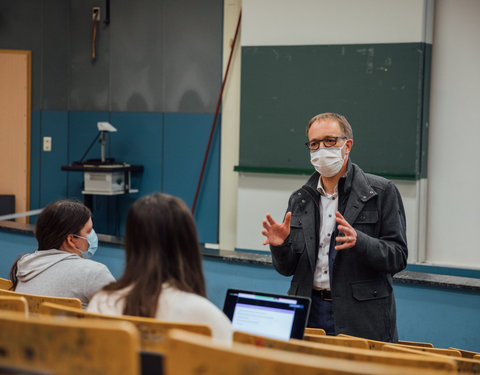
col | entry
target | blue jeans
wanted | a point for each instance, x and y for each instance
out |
(321, 315)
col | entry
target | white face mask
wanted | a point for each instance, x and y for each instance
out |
(328, 160)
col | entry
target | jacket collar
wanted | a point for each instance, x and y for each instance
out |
(353, 182)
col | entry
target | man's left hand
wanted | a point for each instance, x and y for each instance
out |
(350, 238)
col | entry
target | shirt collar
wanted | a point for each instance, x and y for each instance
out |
(322, 191)
(345, 183)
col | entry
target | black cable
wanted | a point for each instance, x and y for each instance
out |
(89, 147)
(107, 13)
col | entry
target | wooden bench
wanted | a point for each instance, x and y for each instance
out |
(191, 354)
(464, 365)
(414, 343)
(34, 301)
(349, 342)
(14, 303)
(315, 331)
(67, 346)
(153, 332)
(378, 345)
(5, 284)
(353, 354)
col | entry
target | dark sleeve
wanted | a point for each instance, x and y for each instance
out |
(284, 258)
(388, 252)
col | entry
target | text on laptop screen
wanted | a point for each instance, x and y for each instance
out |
(279, 317)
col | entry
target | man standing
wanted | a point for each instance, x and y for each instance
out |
(343, 238)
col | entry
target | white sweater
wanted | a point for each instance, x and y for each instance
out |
(173, 305)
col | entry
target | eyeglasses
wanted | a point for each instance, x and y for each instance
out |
(314, 144)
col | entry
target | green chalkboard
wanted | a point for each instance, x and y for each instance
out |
(380, 88)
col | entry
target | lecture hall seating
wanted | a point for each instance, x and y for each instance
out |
(378, 345)
(67, 346)
(466, 353)
(153, 332)
(209, 358)
(353, 354)
(464, 365)
(14, 303)
(350, 342)
(34, 301)
(5, 283)
(315, 331)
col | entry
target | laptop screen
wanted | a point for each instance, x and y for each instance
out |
(271, 315)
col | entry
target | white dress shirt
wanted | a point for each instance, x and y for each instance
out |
(328, 207)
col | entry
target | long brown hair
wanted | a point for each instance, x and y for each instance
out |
(56, 221)
(161, 246)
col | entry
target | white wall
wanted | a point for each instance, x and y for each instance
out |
(446, 232)
(310, 22)
(262, 193)
(453, 213)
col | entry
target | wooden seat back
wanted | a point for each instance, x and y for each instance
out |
(372, 344)
(5, 283)
(190, 354)
(466, 353)
(14, 303)
(413, 343)
(153, 332)
(336, 340)
(449, 352)
(34, 301)
(68, 346)
(378, 345)
(354, 354)
(315, 331)
(464, 365)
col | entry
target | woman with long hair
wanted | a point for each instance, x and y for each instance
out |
(58, 268)
(163, 276)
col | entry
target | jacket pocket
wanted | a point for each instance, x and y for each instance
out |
(367, 217)
(370, 290)
(367, 222)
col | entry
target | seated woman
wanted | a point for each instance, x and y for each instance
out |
(64, 231)
(163, 276)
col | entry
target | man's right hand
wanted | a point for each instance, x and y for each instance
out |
(276, 233)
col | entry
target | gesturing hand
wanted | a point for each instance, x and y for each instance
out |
(350, 238)
(276, 233)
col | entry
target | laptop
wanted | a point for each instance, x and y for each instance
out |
(271, 315)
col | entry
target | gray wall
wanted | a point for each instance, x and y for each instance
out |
(154, 56)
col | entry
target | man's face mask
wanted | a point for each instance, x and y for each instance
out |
(328, 160)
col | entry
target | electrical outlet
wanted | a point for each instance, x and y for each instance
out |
(96, 14)
(47, 143)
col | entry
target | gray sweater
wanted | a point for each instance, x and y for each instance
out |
(58, 273)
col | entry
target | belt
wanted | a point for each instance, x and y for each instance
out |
(324, 294)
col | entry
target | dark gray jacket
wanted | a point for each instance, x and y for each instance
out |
(360, 277)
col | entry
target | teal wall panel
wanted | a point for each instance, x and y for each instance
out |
(141, 139)
(82, 129)
(53, 181)
(444, 317)
(186, 138)
(12, 246)
(378, 87)
(35, 149)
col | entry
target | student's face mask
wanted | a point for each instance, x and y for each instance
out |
(92, 240)
(328, 160)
